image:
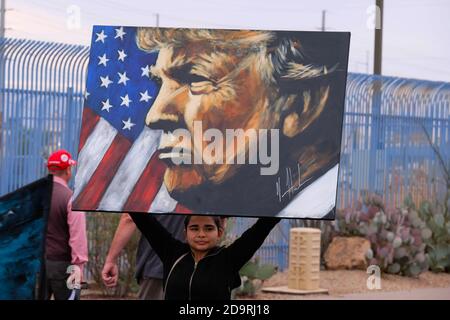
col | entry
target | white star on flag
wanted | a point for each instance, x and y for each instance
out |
(105, 81)
(123, 78)
(122, 55)
(128, 124)
(146, 71)
(120, 33)
(86, 95)
(114, 134)
(103, 59)
(144, 96)
(125, 101)
(106, 105)
(101, 36)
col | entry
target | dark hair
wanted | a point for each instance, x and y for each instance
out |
(216, 219)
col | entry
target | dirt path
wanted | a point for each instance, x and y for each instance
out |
(348, 282)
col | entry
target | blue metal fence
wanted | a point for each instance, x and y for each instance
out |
(384, 148)
(41, 88)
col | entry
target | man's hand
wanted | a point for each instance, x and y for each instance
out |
(124, 232)
(110, 274)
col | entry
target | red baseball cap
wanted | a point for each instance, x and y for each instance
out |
(60, 159)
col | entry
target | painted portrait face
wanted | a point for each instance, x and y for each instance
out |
(208, 89)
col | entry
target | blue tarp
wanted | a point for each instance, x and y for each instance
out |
(23, 220)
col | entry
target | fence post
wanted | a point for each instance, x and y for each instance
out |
(3, 185)
(375, 133)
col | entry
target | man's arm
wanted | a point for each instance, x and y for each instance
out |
(124, 232)
(77, 237)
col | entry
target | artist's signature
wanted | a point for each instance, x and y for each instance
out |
(292, 183)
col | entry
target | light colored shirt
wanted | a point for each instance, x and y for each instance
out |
(76, 221)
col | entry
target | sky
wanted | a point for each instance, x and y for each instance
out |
(415, 36)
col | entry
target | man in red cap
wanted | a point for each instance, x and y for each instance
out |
(66, 241)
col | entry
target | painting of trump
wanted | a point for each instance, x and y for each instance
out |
(241, 80)
(249, 121)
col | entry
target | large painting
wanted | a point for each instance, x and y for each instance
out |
(227, 122)
(23, 221)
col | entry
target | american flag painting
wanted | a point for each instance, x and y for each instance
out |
(118, 167)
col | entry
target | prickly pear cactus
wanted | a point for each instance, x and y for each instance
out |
(437, 234)
(396, 235)
(253, 274)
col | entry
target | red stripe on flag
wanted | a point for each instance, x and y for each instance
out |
(103, 175)
(182, 209)
(148, 185)
(90, 119)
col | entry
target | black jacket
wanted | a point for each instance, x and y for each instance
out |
(214, 276)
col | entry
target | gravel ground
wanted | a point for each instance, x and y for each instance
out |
(342, 282)
(338, 283)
